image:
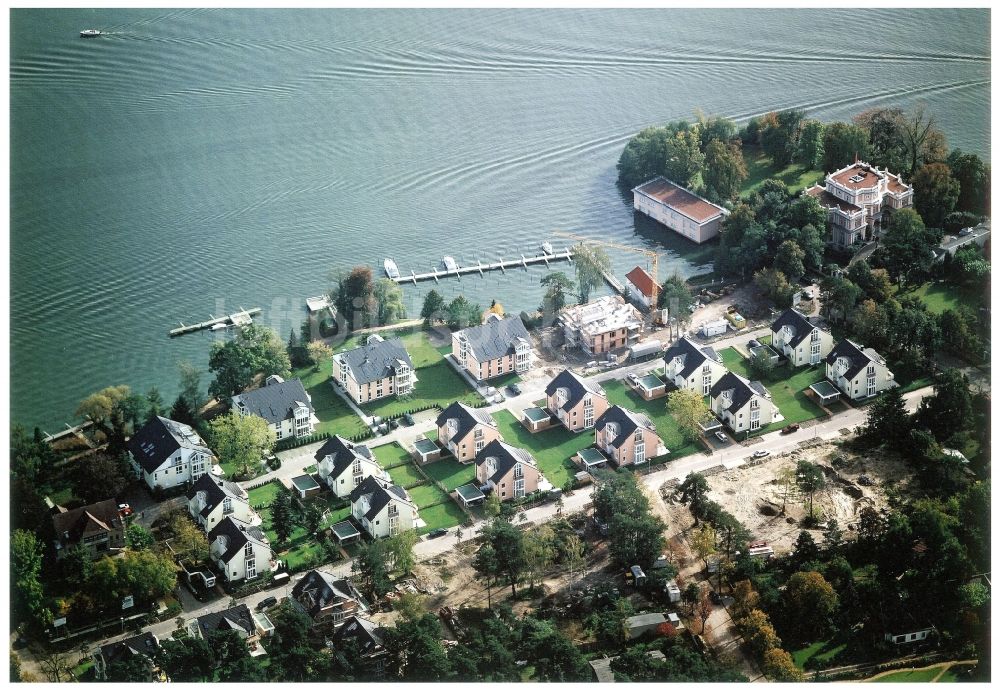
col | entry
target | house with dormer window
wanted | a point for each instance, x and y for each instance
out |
(508, 472)
(241, 552)
(575, 401)
(382, 509)
(466, 431)
(799, 340)
(165, 453)
(378, 369)
(692, 367)
(284, 405)
(499, 346)
(211, 499)
(343, 465)
(626, 437)
(97, 527)
(327, 600)
(741, 404)
(858, 372)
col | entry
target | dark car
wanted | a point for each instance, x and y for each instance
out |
(514, 389)
(788, 429)
(408, 419)
(437, 533)
(267, 603)
(715, 598)
(21, 642)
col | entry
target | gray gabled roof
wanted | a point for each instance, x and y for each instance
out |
(376, 360)
(506, 457)
(368, 636)
(275, 402)
(467, 418)
(145, 644)
(743, 390)
(576, 386)
(628, 422)
(216, 490)
(235, 618)
(380, 495)
(797, 320)
(694, 355)
(343, 453)
(159, 438)
(323, 589)
(858, 357)
(495, 338)
(238, 536)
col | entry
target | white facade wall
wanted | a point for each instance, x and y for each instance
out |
(184, 466)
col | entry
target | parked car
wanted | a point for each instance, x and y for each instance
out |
(514, 389)
(754, 343)
(125, 509)
(267, 603)
(788, 429)
(408, 419)
(761, 453)
(807, 294)
(721, 436)
(715, 598)
(634, 378)
(437, 533)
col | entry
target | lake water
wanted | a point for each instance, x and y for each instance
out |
(197, 161)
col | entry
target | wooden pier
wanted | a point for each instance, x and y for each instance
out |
(482, 268)
(242, 317)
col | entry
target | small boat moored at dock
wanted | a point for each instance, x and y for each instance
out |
(449, 264)
(90, 33)
(547, 248)
(391, 271)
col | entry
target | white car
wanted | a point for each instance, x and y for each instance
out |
(761, 453)
(721, 436)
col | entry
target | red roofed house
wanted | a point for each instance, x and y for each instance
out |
(676, 207)
(858, 198)
(640, 286)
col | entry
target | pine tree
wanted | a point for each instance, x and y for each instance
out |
(281, 516)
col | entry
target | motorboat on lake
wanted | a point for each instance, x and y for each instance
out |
(547, 248)
(391, 271)
(449, 264)
(90, 33)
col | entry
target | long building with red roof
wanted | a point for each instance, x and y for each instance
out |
(686, 213)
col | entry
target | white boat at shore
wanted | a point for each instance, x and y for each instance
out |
(449, 264)
(547, 248)
(220, 326)
(391, 271)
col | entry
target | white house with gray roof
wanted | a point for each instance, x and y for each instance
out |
(378, 369)
(284, 405)
(858, 372)
(382, 509)
(165, 453)
(693, 367)
(794, 335)
(343, 465)
(741, 404)
(211, 499)
(239, 551)
(499, 346)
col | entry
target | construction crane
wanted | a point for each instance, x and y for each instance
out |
(652, 255)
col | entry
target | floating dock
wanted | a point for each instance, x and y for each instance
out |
(482, 268)
(315, 304)
(242, 317)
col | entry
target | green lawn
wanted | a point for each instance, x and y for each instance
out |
(760, 168)
(919, 675)
(941, 296)
(444, 515)
(822, 652)
(666, 426)
(407, 475)
(450, 472)
(787, 387)
(552, 448)
(335, 416)
(261, 497)
(437, 382)
(391, 455)
(427, 495)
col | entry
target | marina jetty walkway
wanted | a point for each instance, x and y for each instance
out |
(482, 268)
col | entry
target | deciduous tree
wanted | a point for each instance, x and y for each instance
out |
(725, 170)
(811, 480)
(254, 350)
(689, 411)
(241, 440)
(556, 285)
(319, 354)
(790, 259)
(973, 176)
(809, 601)
(434, 307)
(591, 263)
(843, 143)
(389, 302)
(935, 193)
